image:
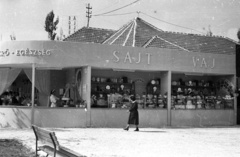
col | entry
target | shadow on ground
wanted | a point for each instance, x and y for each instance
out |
(153, 131)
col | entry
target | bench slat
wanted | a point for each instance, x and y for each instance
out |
(44, 137)
(42, 130)
(45, 140)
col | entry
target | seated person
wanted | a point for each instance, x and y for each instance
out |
(26, 101)
(15, 99)
(5, 99)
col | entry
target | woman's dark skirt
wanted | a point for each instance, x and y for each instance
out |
(133, 118)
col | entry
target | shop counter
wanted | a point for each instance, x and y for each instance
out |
(115, 118)
(72, 117)
(15, 116)
(62, 117)
(199, 118)
(20, 117)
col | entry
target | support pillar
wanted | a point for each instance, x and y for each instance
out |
(33, 93)
(86, 92)
(169, 103)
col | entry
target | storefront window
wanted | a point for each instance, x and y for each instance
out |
(19, 92)
(114, 91)
(202, 93)
(111, 92)
(153, 97)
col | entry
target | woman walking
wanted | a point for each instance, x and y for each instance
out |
(133, 116)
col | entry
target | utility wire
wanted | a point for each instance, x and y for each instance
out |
(171, 23)
(117, 9)
(104, 14)
(119, 14)
(110, 6)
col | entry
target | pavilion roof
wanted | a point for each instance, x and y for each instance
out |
(139, 33)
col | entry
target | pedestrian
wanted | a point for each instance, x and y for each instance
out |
(53, 99)
(133, 116)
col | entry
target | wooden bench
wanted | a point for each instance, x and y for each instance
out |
(50, 145)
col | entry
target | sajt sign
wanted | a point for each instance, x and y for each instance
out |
(127, 57)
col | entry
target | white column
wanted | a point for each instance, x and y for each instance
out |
(33, 93)
(169, 103)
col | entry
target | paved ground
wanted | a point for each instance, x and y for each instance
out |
(149, 142)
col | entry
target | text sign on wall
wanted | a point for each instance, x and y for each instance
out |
(129, 58)
(203, 62)
(25, 52)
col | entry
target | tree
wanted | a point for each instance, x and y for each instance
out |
(238, 35)
(50, 25)
(208, 32)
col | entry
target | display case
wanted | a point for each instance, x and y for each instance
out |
(153, 97)
(201, 95)
(111, 92)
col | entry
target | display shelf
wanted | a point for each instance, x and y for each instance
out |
(202, 97)
(205, 90)
(205, 103)
(185, 86)
(110, 87)
(111, 93)
(153, 97)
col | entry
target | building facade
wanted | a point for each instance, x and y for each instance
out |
(178, 79)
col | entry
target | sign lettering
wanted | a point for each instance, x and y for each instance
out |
(25, 52)
(203, 63)
(130, 58)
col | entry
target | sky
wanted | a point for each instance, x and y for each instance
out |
(26, 18)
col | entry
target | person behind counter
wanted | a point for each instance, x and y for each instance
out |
(9, 98)
(15, 98)
(133, 116)
(4, 99)
(53, 99)
(26, 101)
